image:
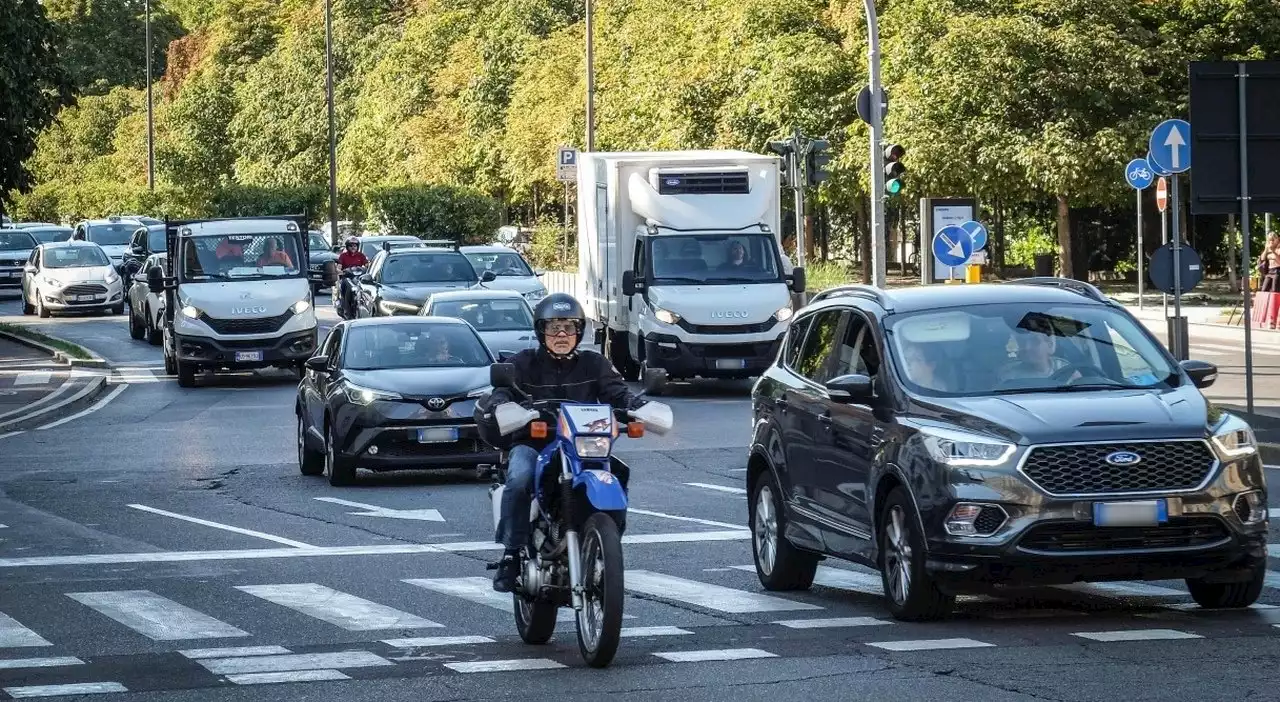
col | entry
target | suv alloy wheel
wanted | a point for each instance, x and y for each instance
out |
(779, 565)
(909, 590)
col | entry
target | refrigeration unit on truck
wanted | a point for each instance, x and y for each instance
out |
(681, 258)
(237, 295)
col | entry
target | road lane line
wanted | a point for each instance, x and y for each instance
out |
(839, 579)
(719, 654)
(21, 663)
(719, 488)
(287, 677)
(692, 520)
(12, 433)
(639, 631)
(32, 378)
(339, 608)
(432, 641)
(155, 617)
(930, 644)
(1136, 635)
(224, 527)
(1125, 589)
(837, 622)
(504, 666)
(97, 406)
(233, 651)
(706, 595)
(299, 661)
(93, 688)
(15, 635)
(478, 590)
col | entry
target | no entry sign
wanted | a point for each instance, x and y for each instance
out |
(1162, 194)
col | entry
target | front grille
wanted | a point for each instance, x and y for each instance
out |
(1083, 470)
(413, 449)
(15, 262)
(256, 325)
(728, 328)
(84, 289)
(704, 183)
(1079, 537)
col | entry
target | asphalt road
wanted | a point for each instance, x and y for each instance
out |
(165, 544)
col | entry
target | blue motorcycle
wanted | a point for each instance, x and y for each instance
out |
(574, 555)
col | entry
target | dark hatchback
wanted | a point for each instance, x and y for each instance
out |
(393, 393)
(972, 436)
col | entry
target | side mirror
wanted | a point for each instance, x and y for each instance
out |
(539, 273)
(320, 364)
(502, 375)
(337, 248)
(630, 286)
(155, 280)
(504, 356)
(488, 277)
(30, 268)
(1203, 374)
(796, 281)
(368, 279)
(138, 250)
(853, 389)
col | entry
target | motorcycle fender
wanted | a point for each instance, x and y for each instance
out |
(495, 496)
(604, 490)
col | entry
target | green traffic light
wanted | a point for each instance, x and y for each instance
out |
(893, 187)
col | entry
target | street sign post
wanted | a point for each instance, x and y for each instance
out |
(1162, 194)
(935, 215)
(953, 246)
(567, 164)
(1139, 176)
(1170, 145)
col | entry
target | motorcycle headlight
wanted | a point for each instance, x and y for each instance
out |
(958, 448)
(592, 446)
(1233, 438)
(666, 316)
(301, 306)
(191, 311)
(784, 313)
(365, 396)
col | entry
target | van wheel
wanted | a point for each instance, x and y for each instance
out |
(779, 565)
(186, 375)
(910, 592)
(1229, 595)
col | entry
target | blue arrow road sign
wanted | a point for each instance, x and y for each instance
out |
(1139, 174)
(1155, 167)
(1171, 145)
(977, 232)
(953, 246)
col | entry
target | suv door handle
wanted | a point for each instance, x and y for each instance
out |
(825, 419)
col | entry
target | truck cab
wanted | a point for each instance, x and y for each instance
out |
(237, 296)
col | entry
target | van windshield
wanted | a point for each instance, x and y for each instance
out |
(713, 259)
(241, 257)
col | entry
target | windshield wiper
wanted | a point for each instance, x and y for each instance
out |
(1078, 387)
(738, 280)
(678, 279)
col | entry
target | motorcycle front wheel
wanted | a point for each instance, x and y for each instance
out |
(535, 620)
(600, 620)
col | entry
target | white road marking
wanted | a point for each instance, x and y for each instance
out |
(15, 635)
(692, 520)
(840, 579)
(12, 433)
(929, 644)
(155, 617)
(32, 378)
(233, 651)
(286, 677)
(424, 515)
(1273, 550)
(1126, 589)
(718, 654)
(1272, 580)
(12, 663)
(338, 608)
(1274, 512)
(298, 661)
(836, 622)
(479, 591)
(1136, 635)
(430, 641)
(1258, 350)
(719, 488)
(137, 375)
(638, 631)
(504, 666)
(93, 688)
(97, 406)
(721, 599)
(688, 536)
(4, 526)
(224, 527)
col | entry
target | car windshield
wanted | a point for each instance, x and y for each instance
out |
(241, 256)
(156, 239)
(49, 235)
(75, 257)
(316, 243)
(715, 259)
(487, 315)
(16, 240)
(111, 234)
(413, 345)
(1017, 348)
(443, 267)
(501, 263)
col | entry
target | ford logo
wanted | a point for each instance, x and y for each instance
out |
(436, 404)
(1123, 458)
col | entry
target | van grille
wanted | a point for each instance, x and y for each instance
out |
(705, 183)
(258, 325)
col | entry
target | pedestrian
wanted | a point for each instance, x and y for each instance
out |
(1269, 264)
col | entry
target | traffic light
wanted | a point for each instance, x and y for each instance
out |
(785, 149)
(894, 171)
(818, 156)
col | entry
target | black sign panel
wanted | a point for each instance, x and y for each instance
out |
(1215, 136)
(1161, 268)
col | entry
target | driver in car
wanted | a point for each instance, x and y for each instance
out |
(1035, 357)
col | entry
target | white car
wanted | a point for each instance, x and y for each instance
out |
(503, 318)
(146, 306)
(512, 270)
(112, 234)
(71, 276)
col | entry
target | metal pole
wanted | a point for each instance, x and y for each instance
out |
(1141, 253)
(1164, 239)
(333, 138)
(797, 173)
(151, 150)
(878, 271)
(591, 81)
(1179, 351)
(1245, 229)
(565, 247)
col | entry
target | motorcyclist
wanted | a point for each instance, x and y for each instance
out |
(556, 369)
(351, 257)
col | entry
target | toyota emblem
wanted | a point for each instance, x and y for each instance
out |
(436, 404)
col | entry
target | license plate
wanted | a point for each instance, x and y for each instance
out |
(84, 298)
(1138, 513)
(248, 355)
(10, 274)
(730, 363)
(437, 435)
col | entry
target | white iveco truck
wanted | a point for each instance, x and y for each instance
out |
(237, 296)
(682, 262)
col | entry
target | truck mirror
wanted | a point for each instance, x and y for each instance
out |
(155, 280)
(796, 280)
(630, 286)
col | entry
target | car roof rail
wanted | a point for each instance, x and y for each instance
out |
(445, 243)
(1076, 286)
(868, 292)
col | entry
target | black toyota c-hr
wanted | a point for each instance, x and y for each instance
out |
(961, 437)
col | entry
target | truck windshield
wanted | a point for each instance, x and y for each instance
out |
(241, 257)
(714, 259)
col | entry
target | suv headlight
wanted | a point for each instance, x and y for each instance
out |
(301, 306)
(960, 448)
(592, 446)
(1233, 438)
(364, 396)
(480, 392)
(666, 316)
(535, 295)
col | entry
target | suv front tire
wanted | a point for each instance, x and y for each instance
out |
(1229, 595)
(909, 591)
(779, 565)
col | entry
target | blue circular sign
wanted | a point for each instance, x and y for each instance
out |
(1139, 174)
(977, 232)
(953, 246)
(1155, 167)
(1171, 145)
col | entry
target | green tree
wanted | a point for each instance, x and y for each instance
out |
(103, 42)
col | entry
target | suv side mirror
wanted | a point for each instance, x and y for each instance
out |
(502, 375)
(853, 389)
(319, 364)
(630, 286)
(488, 277)
(155, 279)
(1203, 374)
(796, 281)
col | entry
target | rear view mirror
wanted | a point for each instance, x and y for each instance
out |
(1203, 374)
(796, 281)
(488, 277)
(502, 375)
(155, 280)
(852, 389)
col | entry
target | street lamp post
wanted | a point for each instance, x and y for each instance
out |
(151, 149)
(591, 81)
(878, 252)
(333, 144)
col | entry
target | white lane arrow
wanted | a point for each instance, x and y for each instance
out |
(1175, 142)
(421, 515)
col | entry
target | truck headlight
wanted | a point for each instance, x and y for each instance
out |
(364, 396)
(592, 446)
(1233, 438)
(301, 306)
(958, 448)
(666, 316)
(784, 313)
(191, 311)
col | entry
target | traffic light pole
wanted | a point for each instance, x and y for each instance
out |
(797, 182)
(877, 137)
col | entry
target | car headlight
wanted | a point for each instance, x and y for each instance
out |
(592, 446)
(666, 316)
(959, 448)
(191, 311)
(111, 277)
(364, 396)
(393, 307)
(51, 282)
(535, 295)
(784, 313)
(1233, 438)
(301, 306)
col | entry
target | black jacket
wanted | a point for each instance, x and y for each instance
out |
(585, 377)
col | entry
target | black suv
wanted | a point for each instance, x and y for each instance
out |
(961, 437)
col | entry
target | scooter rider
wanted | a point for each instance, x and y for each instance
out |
(557, 369)
(352, 257)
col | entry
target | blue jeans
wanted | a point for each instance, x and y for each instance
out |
(513, 526)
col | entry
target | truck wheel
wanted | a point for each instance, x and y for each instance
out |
(1229, 595)
(186, 375)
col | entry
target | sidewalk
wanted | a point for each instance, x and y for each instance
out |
(34, 388)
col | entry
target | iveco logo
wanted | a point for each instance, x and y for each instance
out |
(248, 310)
(1123, 458)
(729, 315)
(436, 404)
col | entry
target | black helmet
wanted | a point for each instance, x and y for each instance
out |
(558, 306)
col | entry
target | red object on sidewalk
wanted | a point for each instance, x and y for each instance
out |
(1266, 308)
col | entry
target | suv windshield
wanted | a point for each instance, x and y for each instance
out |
(16, 240)
(501, 263)
(240, 256)
(1025, 348)
(111, 234)
(716, 259)
(487, 315)
(442, 267)
(49, 235)
(413, 345)
(75, 257)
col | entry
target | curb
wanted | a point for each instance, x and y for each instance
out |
(90, 392)
(94, 360)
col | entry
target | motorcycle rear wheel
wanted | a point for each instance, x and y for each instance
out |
(600, 620)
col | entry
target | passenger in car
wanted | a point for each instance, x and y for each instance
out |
(924, 366)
